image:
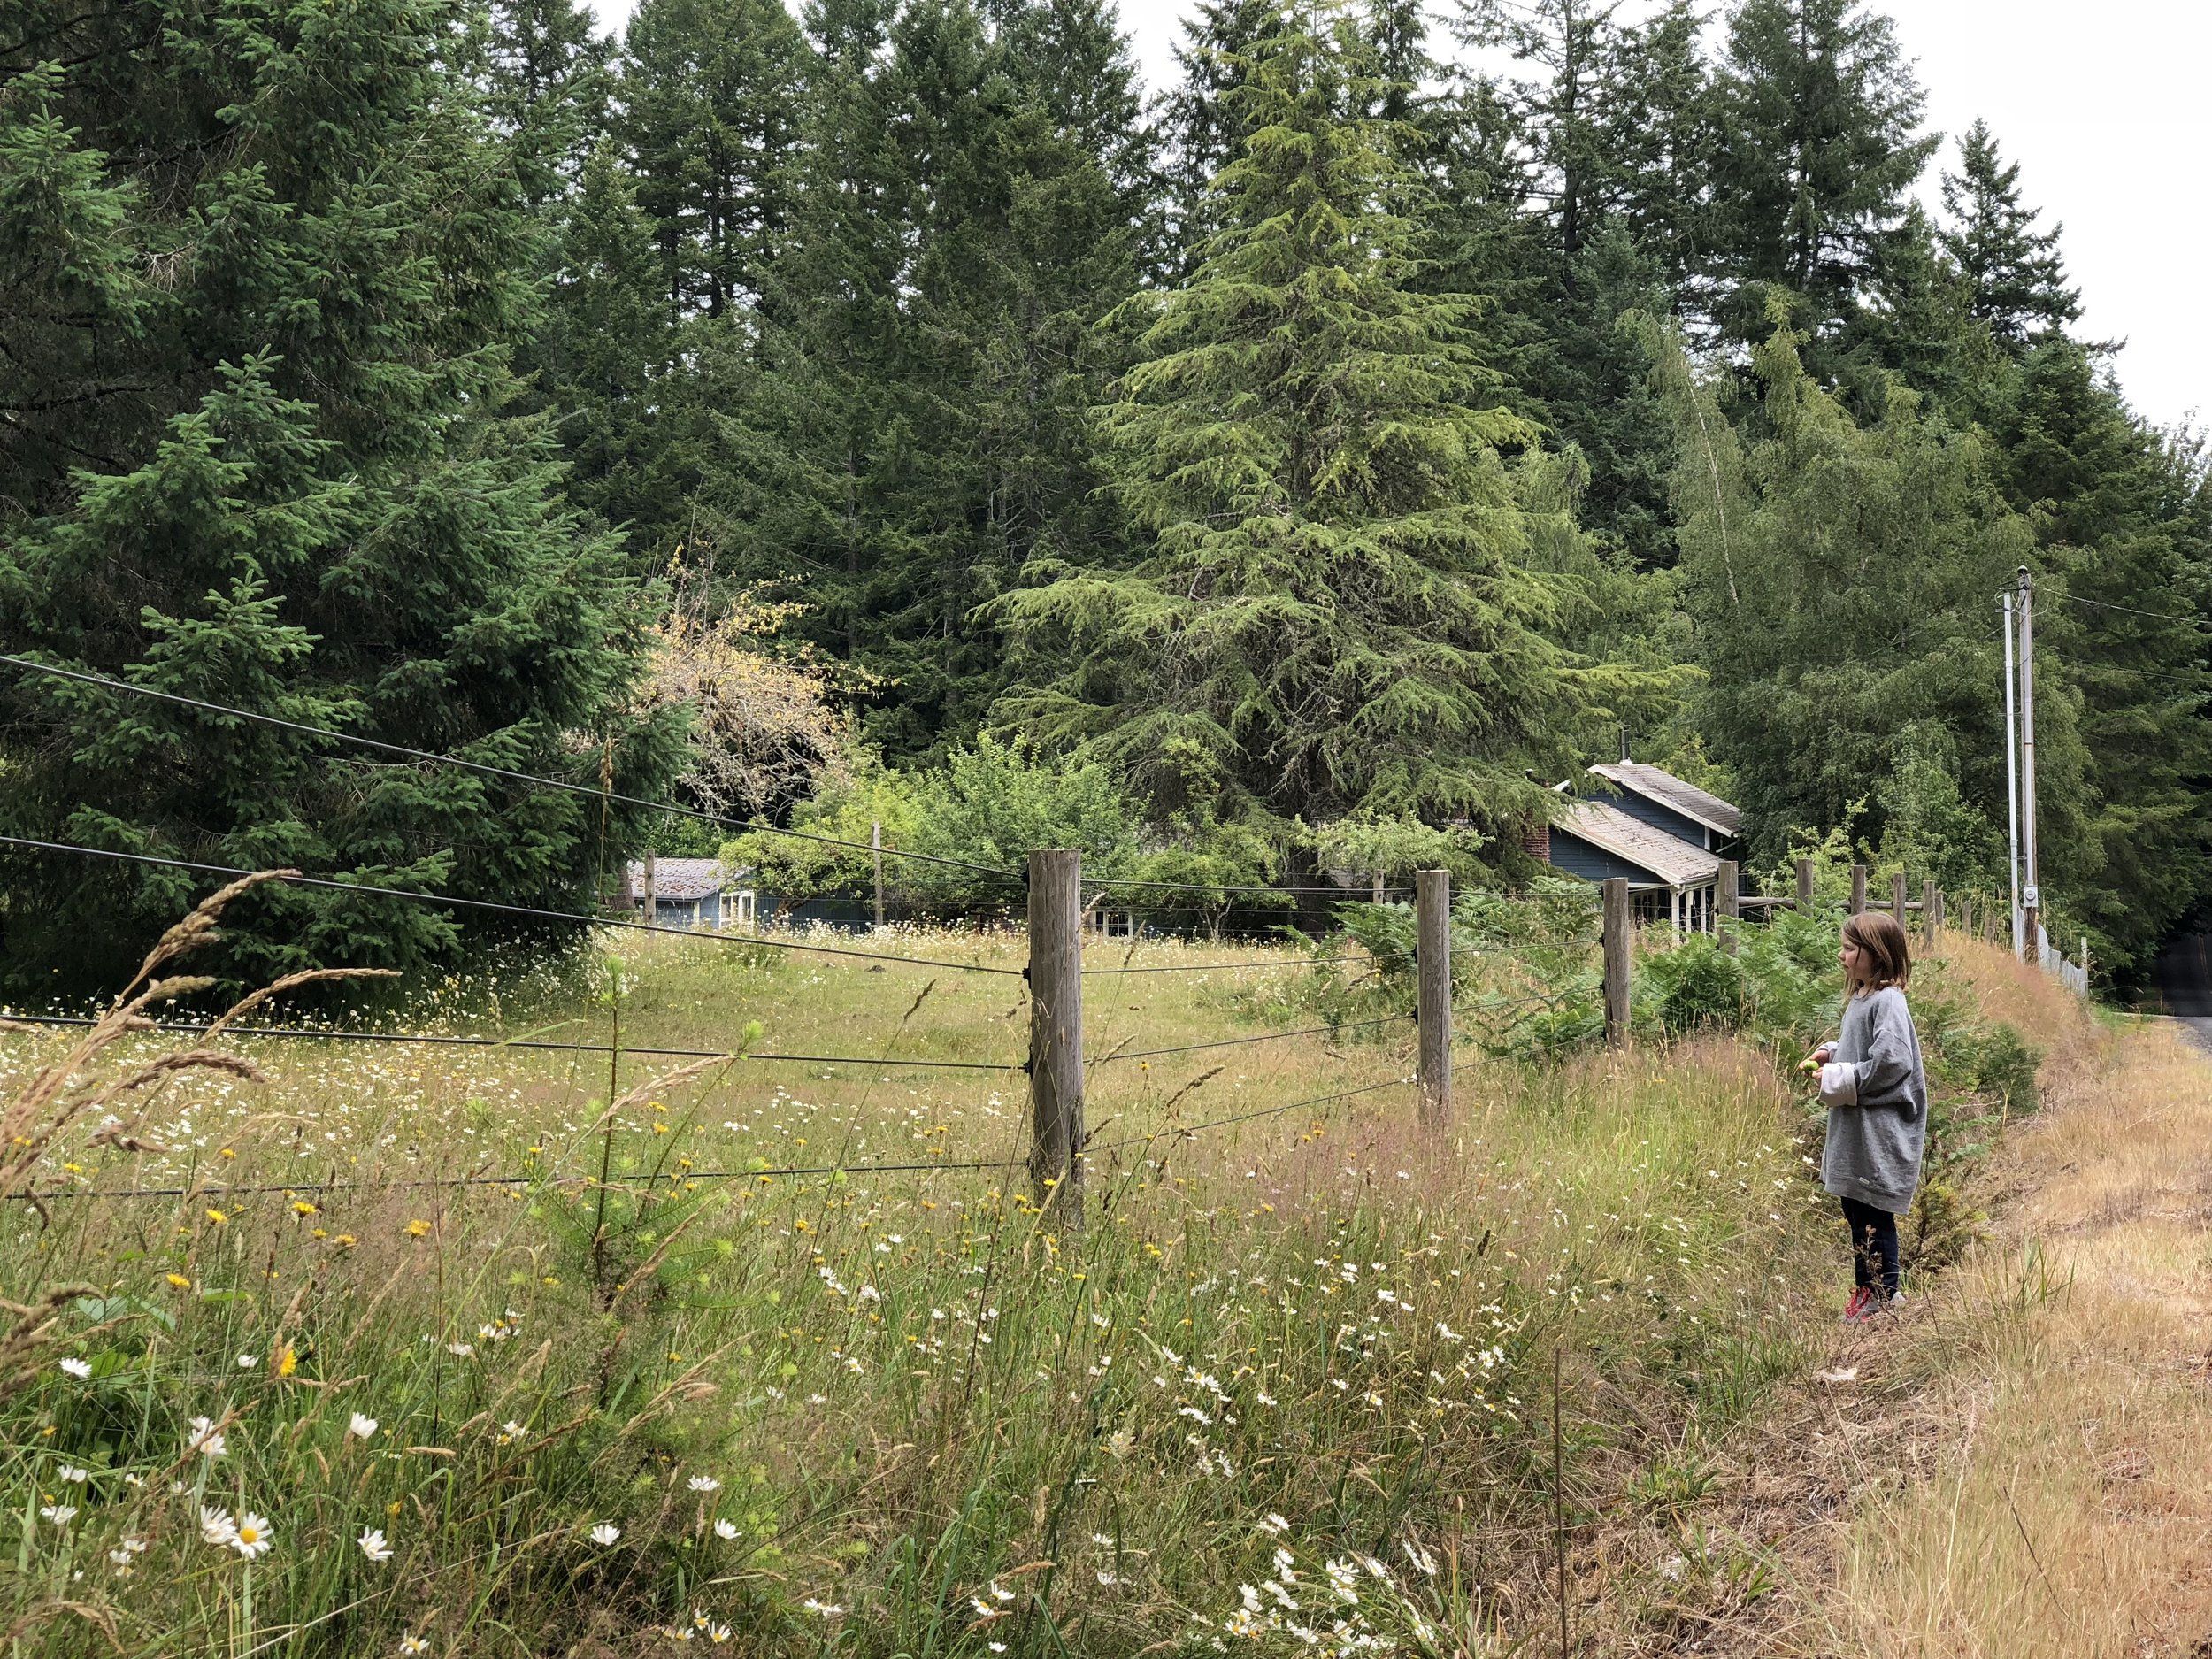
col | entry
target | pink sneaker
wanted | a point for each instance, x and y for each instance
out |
(1860, 1308)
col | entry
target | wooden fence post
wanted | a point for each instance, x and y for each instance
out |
(2085, 964)
(652, 912)
(1727, 903)
(1805, 884)
(1055, 1031)
(1929, 914)
(1433, 963)
(1858, 889)
(1616, 954)
(1897, 898)
(875, 841)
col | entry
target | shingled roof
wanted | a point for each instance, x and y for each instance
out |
(683, 878)
(1671, 791)
(1674, 860)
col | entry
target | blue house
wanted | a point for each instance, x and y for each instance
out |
(1665, 836)
(691, 893)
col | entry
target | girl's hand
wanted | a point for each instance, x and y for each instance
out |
(1817, 1059)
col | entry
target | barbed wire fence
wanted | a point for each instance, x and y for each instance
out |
(1056, 905)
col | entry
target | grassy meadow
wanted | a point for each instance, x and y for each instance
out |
(1290, 1390)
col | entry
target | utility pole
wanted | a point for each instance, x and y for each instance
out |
(2012, 781)
(2031, 894)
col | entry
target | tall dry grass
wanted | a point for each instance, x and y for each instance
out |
(1292, 1392)
(2049, 1491)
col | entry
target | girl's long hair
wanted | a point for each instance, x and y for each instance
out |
(1885, 958)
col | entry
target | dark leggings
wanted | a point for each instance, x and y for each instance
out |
(1873, 1247)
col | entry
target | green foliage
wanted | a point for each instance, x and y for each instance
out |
(1695, 987)
(266, 272)
(1931, 832)
(1390, 849)
(1332, 607)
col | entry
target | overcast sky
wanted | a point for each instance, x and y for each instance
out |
(2105, 105)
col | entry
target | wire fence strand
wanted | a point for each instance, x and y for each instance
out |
(1271, 1036)
(311, 1034)
(443, 901)
(484, 769)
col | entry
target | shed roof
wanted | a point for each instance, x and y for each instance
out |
(1673, 860)
(1671, 791)
(683, 878)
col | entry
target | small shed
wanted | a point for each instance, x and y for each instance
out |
(693, 893)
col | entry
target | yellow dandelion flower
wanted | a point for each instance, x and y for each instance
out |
(344, 1241)
(217, 1216)
(417, 1228)
(288, 1362)
(180, 1281)
(301, 1207)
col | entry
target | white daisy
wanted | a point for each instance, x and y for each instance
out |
(254, 1536)
(703, 1483)
(74, 1475)
(373, 1545)
(60, 1514)
(725, 1530)
(77, 1368)
(204, 1439)
(413, 1644)
(605, 1533)
(361, 1427)
(217, 1527)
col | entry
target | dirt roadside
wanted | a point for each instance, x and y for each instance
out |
(2019, 1465)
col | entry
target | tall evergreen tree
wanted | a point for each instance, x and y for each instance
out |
(970, 202)
(1332, 616)
(1202, 120)
(229, 474)
(1818, 111)
(1842, 578)
(2018, 279)
(2120, 515)
(710, 108)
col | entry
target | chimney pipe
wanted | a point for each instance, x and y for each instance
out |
(1624, 742)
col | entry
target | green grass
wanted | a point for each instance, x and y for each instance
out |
(938, 1420)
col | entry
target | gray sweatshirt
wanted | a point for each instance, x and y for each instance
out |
(1876, 1091)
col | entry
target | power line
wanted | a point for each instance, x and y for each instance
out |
(2155, 615)
(443, 901)
(311, 1034)
(507, 773)
(1273, 1036)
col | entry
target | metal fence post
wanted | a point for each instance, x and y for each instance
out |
(1433, 962)
(1727, 903)
(1055, 1031)
(1858, 889)
(1617, 926)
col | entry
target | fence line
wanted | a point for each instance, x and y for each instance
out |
(506, 773)
(312, 1034)
(294, 878)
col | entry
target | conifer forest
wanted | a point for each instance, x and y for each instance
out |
(891, 412)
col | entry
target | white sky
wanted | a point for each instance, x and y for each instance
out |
(2104, 104)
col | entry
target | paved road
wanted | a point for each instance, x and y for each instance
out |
(2185, 983)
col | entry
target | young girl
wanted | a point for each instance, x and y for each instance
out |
(1877, 1095)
